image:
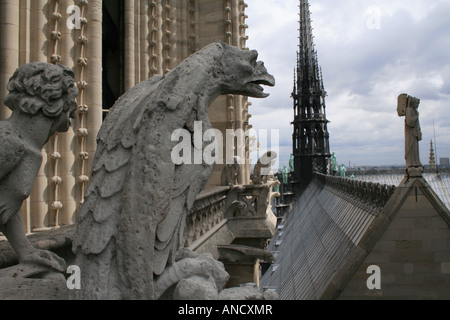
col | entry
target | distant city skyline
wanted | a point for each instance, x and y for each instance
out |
(370, 52)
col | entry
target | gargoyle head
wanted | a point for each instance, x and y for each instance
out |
(242, 73)
(43, 87)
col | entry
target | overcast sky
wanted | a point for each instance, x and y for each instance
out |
(370, 52)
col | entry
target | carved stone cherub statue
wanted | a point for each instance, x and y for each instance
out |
(408, 107)
(42, 99)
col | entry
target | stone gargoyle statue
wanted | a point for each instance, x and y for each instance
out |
(262, 172)
(42, 99)
(132, 222)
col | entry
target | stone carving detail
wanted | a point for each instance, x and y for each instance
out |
(234, 253)
(372, 196)
(247, 291)
(132, 222)
(263, 168)
(407, 106)
(250, 200)
(207, 212)
(201, 277)
(83, 108)
(192, 277)
(42, 99)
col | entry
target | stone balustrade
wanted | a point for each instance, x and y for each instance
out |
(214, 208)
(246, 209)
(371, 196)
(207, 213)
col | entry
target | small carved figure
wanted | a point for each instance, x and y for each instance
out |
(42, 99)
(343, 170)
(276, 187)
(262, 172)
(132, 222)
(334, 167)
(291, 163)
(408, 107)
(284, 173)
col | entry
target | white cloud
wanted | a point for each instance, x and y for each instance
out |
(365, 69)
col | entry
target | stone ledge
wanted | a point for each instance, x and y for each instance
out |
(33, 289)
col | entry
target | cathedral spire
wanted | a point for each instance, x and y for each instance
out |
(310, 139)
(432, 163)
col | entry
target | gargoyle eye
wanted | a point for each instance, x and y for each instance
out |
(246, 67)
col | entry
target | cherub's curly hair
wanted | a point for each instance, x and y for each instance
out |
(40, 86)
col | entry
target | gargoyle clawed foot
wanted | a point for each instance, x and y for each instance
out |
(192, 269)
(44, 258)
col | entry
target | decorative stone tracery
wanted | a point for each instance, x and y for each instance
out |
(55, 58)
(83, 108)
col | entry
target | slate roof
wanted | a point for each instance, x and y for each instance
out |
(316, 240)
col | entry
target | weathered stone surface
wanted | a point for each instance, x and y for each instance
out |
(247, 292)
(235, 253)
(33, 289)
(199, 268)
(42, 99)
(32, 282)
(196, 288)
(132, 221)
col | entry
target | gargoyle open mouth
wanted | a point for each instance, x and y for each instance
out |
(254, 87)
(257, 88)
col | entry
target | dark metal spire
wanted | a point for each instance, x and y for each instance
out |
(310, 139)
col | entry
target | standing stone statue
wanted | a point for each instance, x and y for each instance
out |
(343, 170)
(131, 225)
(284, 173)
(276, 187)
(42, 99)
(408, 107)
(291, 163)
(334, 167)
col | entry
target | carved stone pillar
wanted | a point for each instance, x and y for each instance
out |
(39, 46)
(253, 223)
(9, 48)
(143, 40)
(130, 71)
(93, 78)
